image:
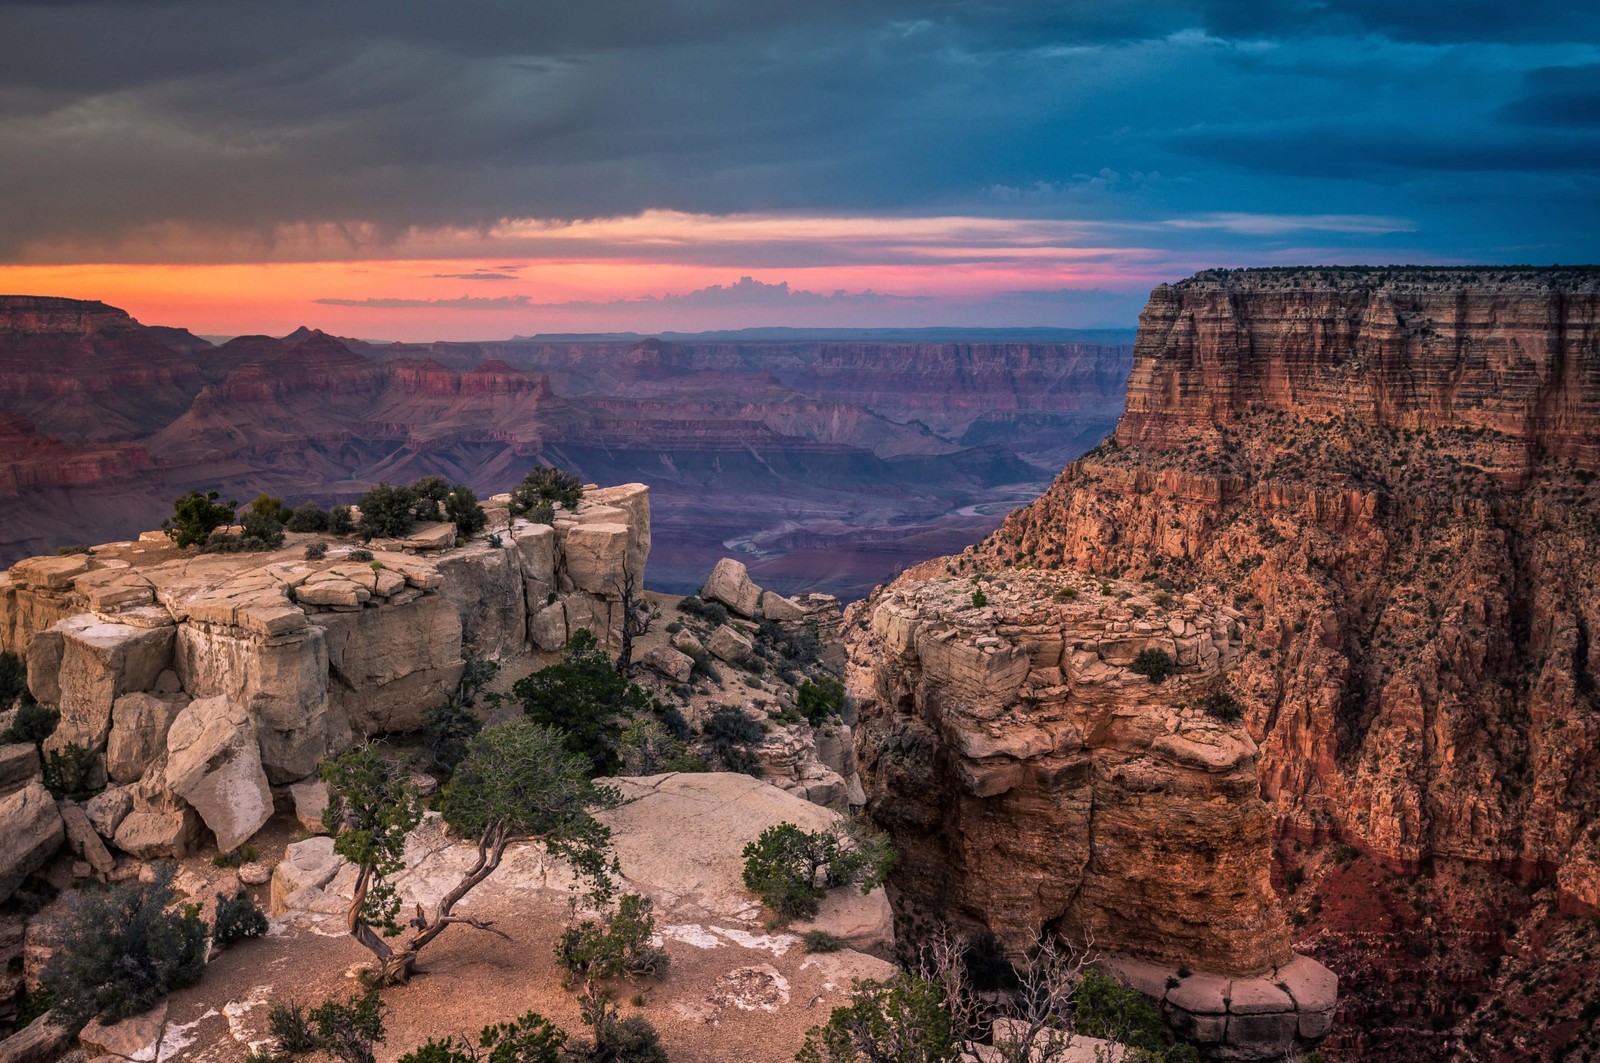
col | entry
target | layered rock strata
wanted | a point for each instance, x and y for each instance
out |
(1393, 477)
(1036, 780)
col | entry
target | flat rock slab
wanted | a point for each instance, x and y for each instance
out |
(134, 1038)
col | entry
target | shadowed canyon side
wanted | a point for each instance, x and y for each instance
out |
(1387, 479)
(824, 464)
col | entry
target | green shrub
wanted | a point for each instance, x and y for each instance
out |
(316, 551)
(358, 554)
(195, 516)
(244, 854)
(616, 944)
(791, 870)
(272, 507)
(495, 542)
(430, 493)
(387, 512)
(820, 698)
(72, 549)
(821, 941)
(1222, 705)
(347, 1031)
(647, 748)
(120, 951)
(237, 918)
(732, 726)
(13, 679)
(979, 599)
(448, 729)
(291, 1027)
(308, 517)
(1103, 1008)
(260, 531)
(529, 1039)
(586, 699)
(461, 507)
(714, 613)
(32, 723)
(548, 485)
(1156, 665)
(340, 520)
(616, 1040)
(903, 1020)
(66, 770)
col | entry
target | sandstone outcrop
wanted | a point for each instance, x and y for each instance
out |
(1393, 475)
(199, 680)
(32, 834)
(1031, 779)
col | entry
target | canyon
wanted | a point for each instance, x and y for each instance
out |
(826, 465)
(1384, 483)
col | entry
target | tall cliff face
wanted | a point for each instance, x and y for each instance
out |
(1394, 477)
(1390, 477)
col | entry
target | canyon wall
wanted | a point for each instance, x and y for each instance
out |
(1387, 479)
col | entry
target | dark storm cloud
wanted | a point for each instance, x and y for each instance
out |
(227, 121)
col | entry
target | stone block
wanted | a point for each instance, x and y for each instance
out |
(156, 835)
(1257, 996)
(776, 607)
(676, 666)
(33, 832)
(729, 644)
(99, 663)
(134, 1038)
(19, 765)
(1201, 994)
(214, 763)
(595, 557)
(139, 724)
(731, 585)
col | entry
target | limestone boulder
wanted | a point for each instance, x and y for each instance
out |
(214, 763)
(281, 679)
(33, 832)
(633, 502)
(84, 840)
(94, 663)
(671, 663)
(595, 557)
(729, 644)
(391, 663)
(310, 864)
(776, 607)
(158, 835)
(731, 585)
(547, 628)
(139, 724)
(19, 765)
(310, 800)
(107, 809)
(134, 1038)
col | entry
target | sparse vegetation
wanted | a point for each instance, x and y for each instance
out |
(617, 943)
(820, 698)
(1155, 665)
(531, 1038)
(347, 1030)
(791, 870)
(195, 516)
(586, 699)
(548, 486)
(238, 918)
(119, 951)
(387, 512)
(308, 517)
(32, 723)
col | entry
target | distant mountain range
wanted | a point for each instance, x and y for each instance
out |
(826, 462)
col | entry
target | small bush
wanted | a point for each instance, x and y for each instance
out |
(195, 516)
(13, 678)
(1222, 705)
(387, 512)
(347, 1031)
(820, 698)
(547, 485)
(714, 613)
(791, 870)
(461, 507)
(259, 531)
(1067, 594)
(340, 520)
(821, 941)
(449, 729)
(616, 1040)
(316, 551)
(731, 726)
(291, 1027)
(979, 599)
(308, 517)
(617, 944)
(237, 918)
(66, 770)
(1103, 1008)
(358, 554)
(495, 542)
(1156, 665)
(69, 551)
(244, 854)
(32, 723)
(529, 1039)
(121, 951)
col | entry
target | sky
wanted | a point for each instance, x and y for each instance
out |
(473, 169)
